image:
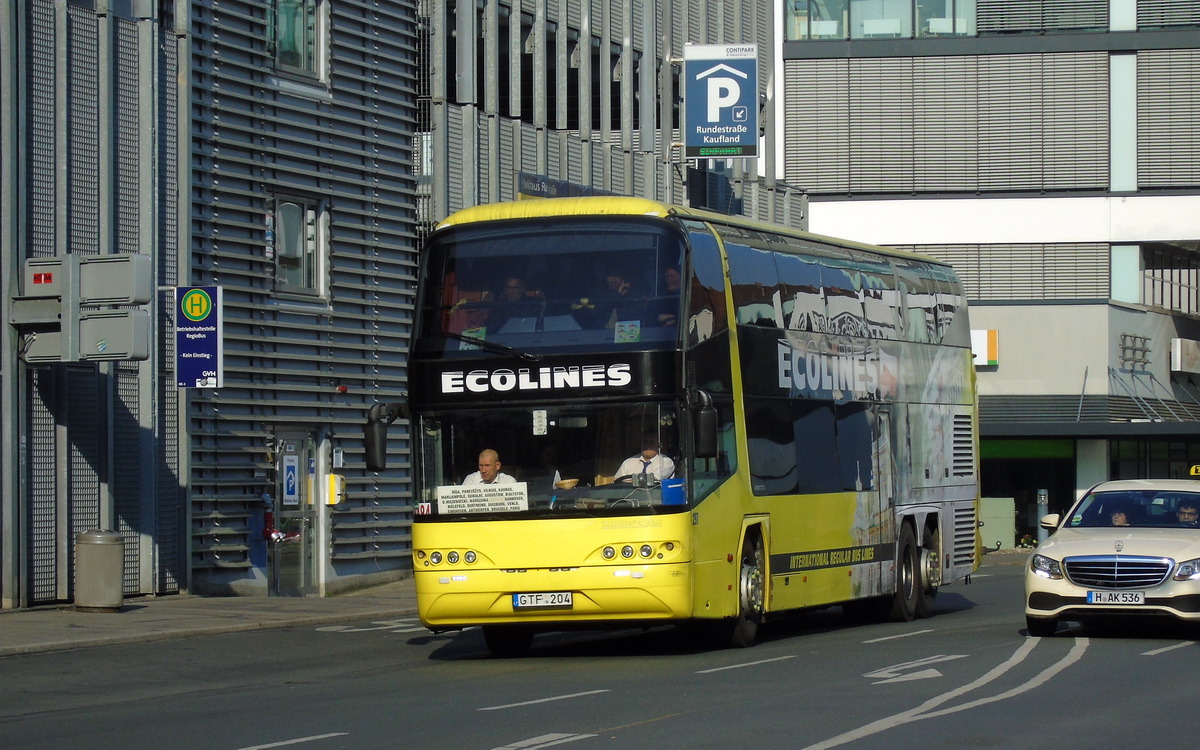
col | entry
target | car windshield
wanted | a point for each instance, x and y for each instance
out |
(1143, 508)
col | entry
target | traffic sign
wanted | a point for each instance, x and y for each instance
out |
(199, 356)
(721, 101)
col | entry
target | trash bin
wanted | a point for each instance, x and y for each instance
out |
(99, 571)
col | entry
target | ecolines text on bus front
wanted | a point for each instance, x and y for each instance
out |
(539, 379)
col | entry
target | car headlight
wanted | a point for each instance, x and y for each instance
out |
(1045, 567)
(1188, 570)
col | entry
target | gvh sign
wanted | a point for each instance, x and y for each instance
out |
(721, 100)
(198, 355)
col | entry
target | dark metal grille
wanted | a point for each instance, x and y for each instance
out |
(1117, 572)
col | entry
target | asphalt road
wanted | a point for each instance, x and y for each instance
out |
(968, 677)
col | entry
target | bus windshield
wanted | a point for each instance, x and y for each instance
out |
(599, 284)
(528, 462)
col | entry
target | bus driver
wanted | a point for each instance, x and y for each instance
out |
(489, 470)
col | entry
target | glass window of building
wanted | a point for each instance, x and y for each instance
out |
(878, 19)
(816, 19)
(297, 34)
(945, 17)
(299, 241)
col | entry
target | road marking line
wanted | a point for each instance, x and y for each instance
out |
(1165, 649)
(546, 740)
(1042, 678)
(897, 673)
(747, 664)
(297, 741)
(902, 635)
(923, 711)
(542, 700)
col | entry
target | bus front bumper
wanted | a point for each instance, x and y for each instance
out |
(598, 594)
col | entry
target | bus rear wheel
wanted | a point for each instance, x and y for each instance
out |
(507, 640)
(908, 576)
(929, 574)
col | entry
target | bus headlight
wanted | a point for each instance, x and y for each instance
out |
(469, 557)
(609, 553)
(627, 551)
(436, 558)
(452, 558)
(647, 550)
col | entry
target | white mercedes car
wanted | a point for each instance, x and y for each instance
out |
(1126, 548)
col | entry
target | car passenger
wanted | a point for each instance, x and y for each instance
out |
(1188, 513)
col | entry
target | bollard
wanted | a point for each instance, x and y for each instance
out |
(1043, 507)
(99, 571)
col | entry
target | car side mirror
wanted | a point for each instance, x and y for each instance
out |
(1050, 521)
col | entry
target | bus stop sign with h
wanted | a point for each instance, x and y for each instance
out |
(721, 101)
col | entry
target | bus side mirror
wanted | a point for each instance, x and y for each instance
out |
(375, 433)
(705, 424)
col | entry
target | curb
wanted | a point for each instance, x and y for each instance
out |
(192, 632)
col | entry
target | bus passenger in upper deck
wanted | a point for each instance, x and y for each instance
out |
(664, 310)
(618, 299)
(489, 470)
(515, 301)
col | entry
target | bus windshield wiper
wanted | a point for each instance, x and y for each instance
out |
(492, 346)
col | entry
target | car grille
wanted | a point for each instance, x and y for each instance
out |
(1117, 572)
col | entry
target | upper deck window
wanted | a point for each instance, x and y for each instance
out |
(590, 284)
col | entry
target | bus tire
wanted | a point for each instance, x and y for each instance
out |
(751, 593)
(908, 586)
(929, 574)
(507, 640)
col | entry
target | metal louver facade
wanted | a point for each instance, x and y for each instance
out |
(1168, 90)
(1041, 15)
(1061, 271)
(946, 124)
(309, 363)
(603, 66)
(96, 445)
(175, 134)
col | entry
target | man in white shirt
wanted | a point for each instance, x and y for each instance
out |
(649, 462)
(489, 470)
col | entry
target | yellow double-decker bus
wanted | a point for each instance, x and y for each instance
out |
(626, 412)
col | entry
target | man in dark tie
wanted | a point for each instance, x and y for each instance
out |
(647, 467)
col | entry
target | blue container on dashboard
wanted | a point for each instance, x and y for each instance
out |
(672, 492)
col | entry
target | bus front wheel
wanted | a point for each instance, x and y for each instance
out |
(908, 577)
(751, 593)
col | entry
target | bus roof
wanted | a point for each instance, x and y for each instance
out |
(538, 208)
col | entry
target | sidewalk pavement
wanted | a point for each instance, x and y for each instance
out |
(63, 628)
